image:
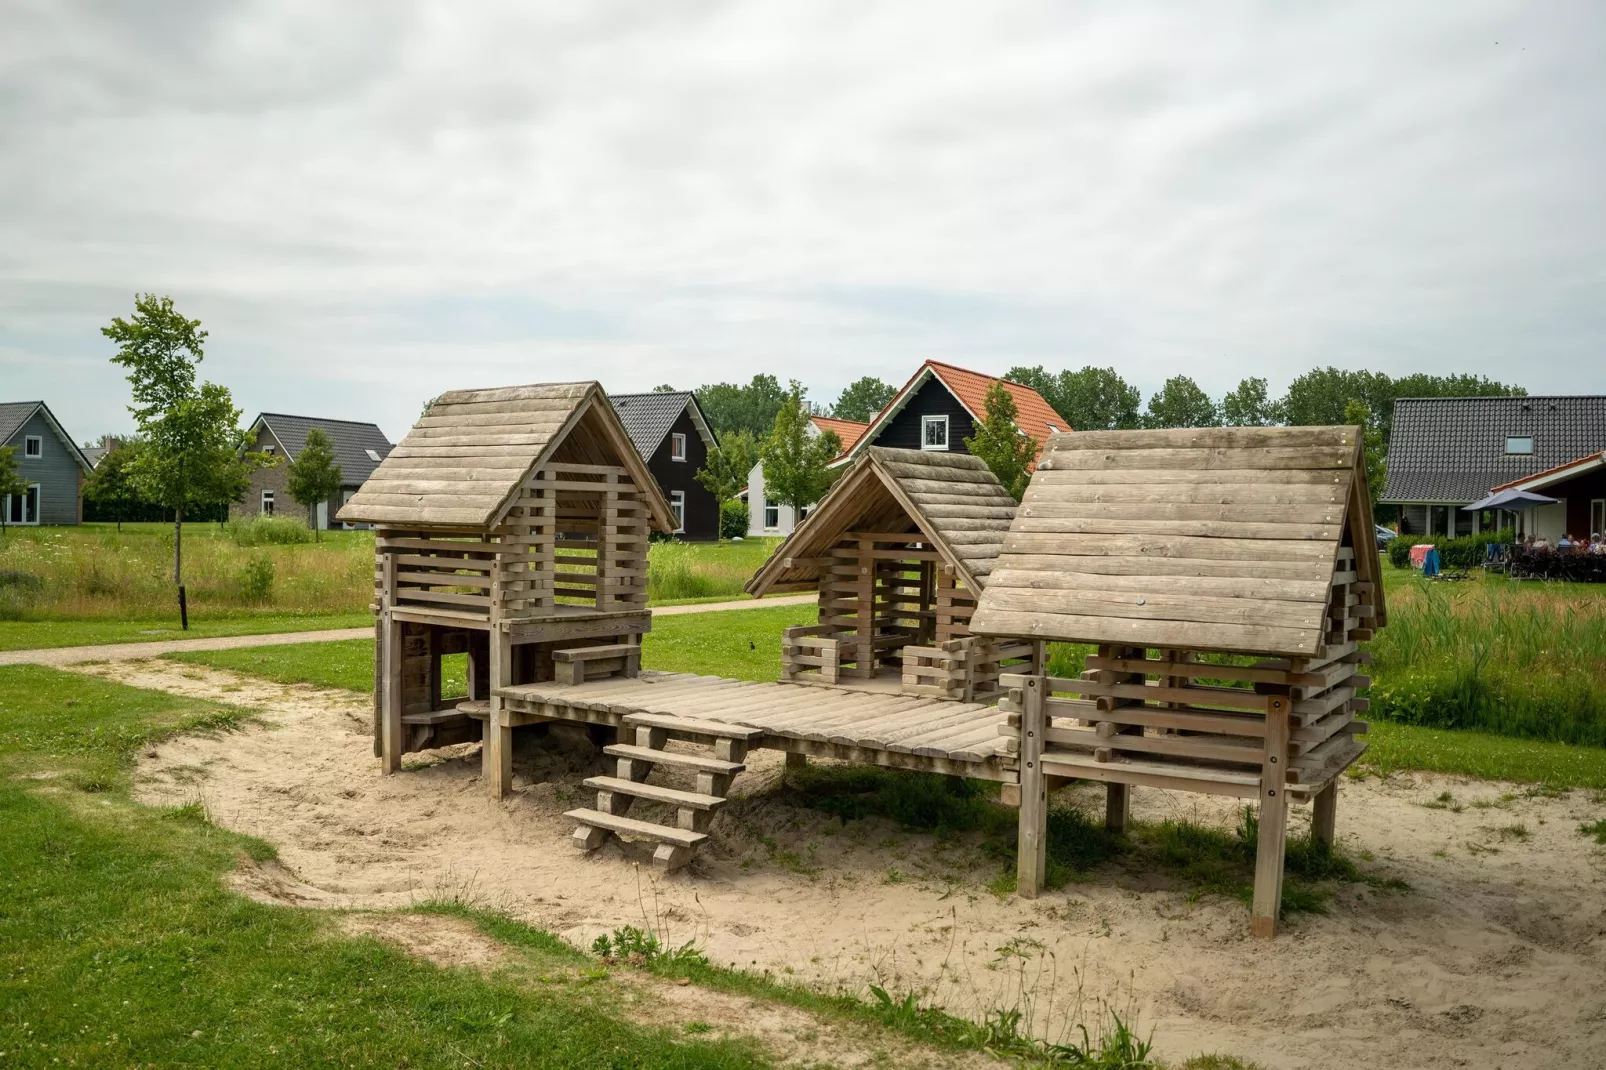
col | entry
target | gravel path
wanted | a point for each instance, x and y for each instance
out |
(73, 655)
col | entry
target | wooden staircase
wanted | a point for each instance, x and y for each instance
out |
(694, 810)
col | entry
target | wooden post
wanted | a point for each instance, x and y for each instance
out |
(496, 758)
(391, 653)
(864, 619)
(795, 762)
(1324, 814)
(1032, 846)
(1269, 850)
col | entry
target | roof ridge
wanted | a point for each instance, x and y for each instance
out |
(1503, 397)
(319, 419)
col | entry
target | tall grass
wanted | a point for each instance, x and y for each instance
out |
(1515, 659)
(688, 571)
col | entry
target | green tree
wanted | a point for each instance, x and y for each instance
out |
(314, 476)
(749, 408)
(1356, 413)
(1092, 399)
(1181, 403)
(728, 466)
(794, 459)
(862, 399)
(194, 453)
(1006, 449)
(663, 388)
(111, 485)
(1250, 405)
(1321, 395)
(10, 483)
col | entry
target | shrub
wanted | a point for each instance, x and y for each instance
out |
(1468, 551)
(268, 531)
(256, 581)
(733, 519)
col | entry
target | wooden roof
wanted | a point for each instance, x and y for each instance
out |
(465, 460)
(1219, 539)
(952, 498)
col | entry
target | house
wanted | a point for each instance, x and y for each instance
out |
(48, 461)
(1445, 453)
(937, 409)
(765, 516)
(673, 438)
(359, 447)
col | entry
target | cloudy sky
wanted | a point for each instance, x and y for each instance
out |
(369, 204)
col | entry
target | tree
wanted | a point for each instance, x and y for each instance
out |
(314, 476)
(1250, 406)
(794, 460)
(1181, 403)
(111, 485)
(663, 388)
(728, 466)
(749, 408)
(1321, 395)
(1006, 449)
(194, 453)
(1356, 412)
(10, 483)
(1093, 399)
(862, 399)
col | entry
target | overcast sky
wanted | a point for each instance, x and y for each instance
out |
(367, 208)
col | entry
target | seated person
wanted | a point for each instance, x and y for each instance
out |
(1540, 543)
(1597, 543)
(1566, 542)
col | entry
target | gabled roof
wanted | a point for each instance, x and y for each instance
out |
(849, 431)
(464, 462)
(351, 441)
(1197, 539)
(1035, 416)
(1558, 474)
(13, 414)
(648, 417)
(1454, 449)
(953, 498)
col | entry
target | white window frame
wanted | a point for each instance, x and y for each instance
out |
(677, 446)
(677, 505)
(1519, 452)
(266, 503)
(33, 447)
(928, 422)
(38, 506)
(270, 450)
(1597, 515)
(772, 514)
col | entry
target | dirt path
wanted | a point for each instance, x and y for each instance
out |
(77, 655)
(1495, 958)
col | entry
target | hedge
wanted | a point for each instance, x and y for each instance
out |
(1468, 551)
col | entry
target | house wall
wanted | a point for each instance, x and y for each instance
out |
(756, 499)
(56, 470)
(702, 510)
(277, 479)
(932, 399)
(1577, 494)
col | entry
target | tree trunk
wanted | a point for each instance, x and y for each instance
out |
(178, 546)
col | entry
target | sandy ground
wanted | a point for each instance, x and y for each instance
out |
(77, 655)
(1494, 958)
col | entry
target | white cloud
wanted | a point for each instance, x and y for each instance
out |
(367, 207)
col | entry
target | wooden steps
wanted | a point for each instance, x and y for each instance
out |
(693, 810)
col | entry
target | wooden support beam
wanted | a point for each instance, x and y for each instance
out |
(1324, 814)
(496, 757)
(1032, 848)
(391, 712)
(1269, 850)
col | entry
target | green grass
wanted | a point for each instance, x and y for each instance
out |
(42, 634)
(1484, 756)
(347, 663)
(684, 572)
(742, 644)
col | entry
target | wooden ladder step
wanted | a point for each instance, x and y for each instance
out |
(645, 829)
(596, 653)
(478, 708)
(671, 758)
(714, 729)
(652, 792)
(438, 717)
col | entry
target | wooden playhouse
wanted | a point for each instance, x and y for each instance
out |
(511, 525)
(1225, 577)
(898, 551)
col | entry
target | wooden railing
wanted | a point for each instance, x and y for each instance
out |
(810, 653)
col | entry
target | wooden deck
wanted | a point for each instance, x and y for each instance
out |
(898, 731)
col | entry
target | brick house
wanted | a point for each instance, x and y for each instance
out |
(359, 447)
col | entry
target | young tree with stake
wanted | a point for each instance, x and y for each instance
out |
(194, 453)
(314, 476)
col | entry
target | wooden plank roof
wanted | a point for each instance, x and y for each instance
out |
(1219, 539)
(952, 498)
(465, 460)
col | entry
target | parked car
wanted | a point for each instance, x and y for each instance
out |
(1384, 537)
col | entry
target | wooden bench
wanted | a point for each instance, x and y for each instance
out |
(576, 665)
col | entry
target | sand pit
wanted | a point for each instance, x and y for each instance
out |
(1495, 958)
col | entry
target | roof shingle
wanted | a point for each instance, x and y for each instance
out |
(351, 441)
(1454, 449)
(648, 417)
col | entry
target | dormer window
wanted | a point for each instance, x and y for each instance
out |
(934, 432)
(677, 447)
(1519, 445)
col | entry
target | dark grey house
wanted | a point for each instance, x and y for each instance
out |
(359, 448)
(48, 461)
(673, 438)
(1445, 453)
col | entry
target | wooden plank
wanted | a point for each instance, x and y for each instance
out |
(1138, 565)
(1162, 545)
(1302, 458)
(1046, 481)
(1167, 508)
(1213, 438)
(1174, 777)
(1180, 634)
(1208, 529)
(718, 730)
(1270, 848)
(1131, 605)
(647, 829)
(1032, 849)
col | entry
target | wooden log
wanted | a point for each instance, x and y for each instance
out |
(1324, 814)
(1271, 847)
(1032, 860)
